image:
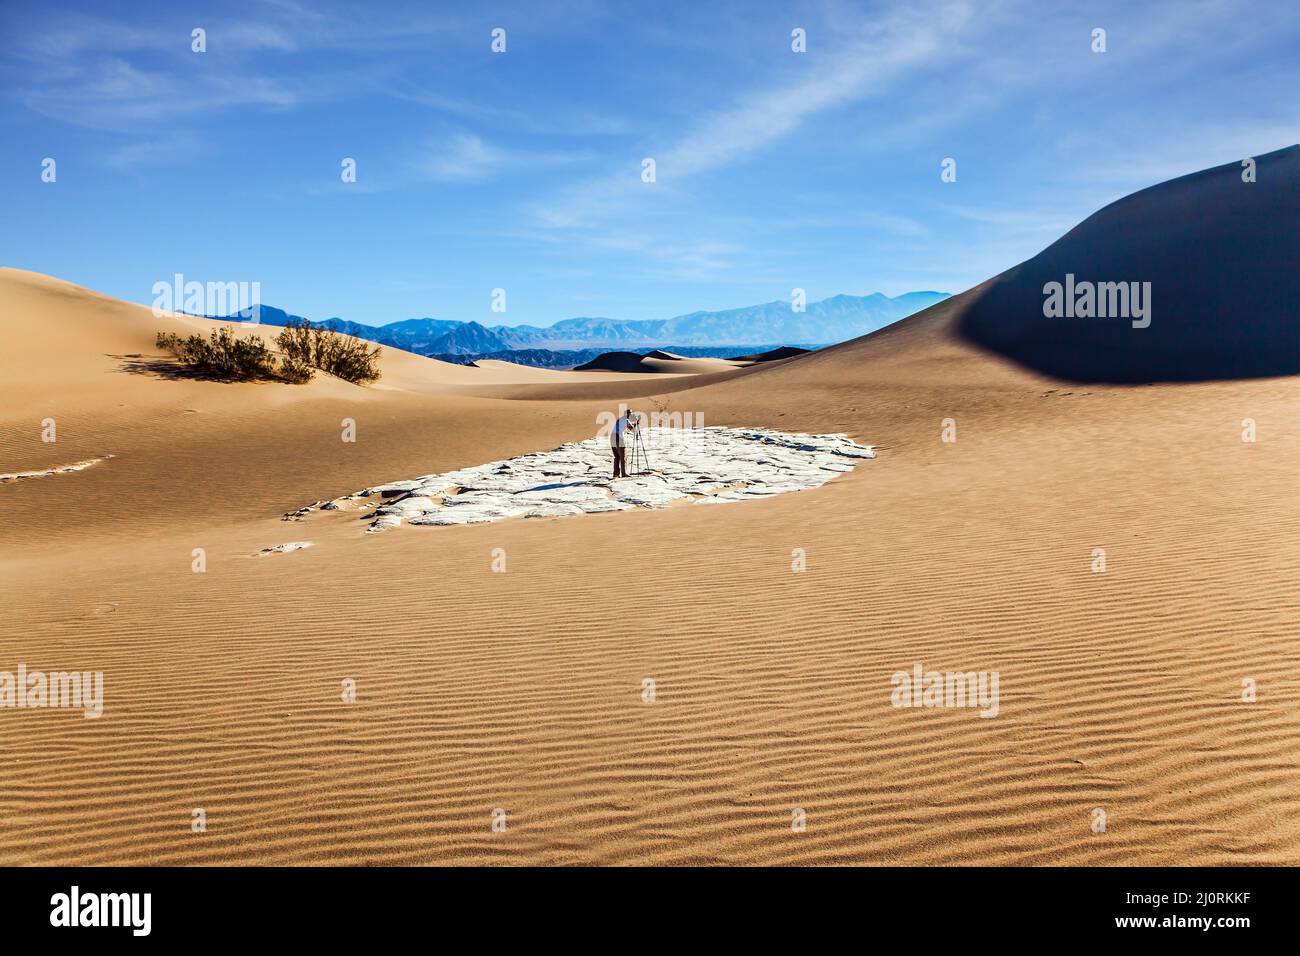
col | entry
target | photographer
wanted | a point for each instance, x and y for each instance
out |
(618, 439)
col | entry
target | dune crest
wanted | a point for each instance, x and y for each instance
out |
(1215, 257)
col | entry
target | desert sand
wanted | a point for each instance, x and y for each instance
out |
(523, 690)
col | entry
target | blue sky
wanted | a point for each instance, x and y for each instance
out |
(522, 170)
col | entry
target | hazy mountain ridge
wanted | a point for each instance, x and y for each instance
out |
(836, 319)
(469, 338)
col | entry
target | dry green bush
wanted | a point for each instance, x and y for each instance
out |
(313, 347)
(222, 355)
(295, 372)
(303, 349)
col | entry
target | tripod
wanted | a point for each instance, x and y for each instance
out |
(639, 457)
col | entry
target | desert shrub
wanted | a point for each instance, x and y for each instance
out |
(295, 344)
(222, 354)
(303, 349)
(171, 342)
(295, 372)
(338, 355)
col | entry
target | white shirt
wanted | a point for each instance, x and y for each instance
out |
(616, 436)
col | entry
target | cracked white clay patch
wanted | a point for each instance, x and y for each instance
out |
(56, 470)
(286, 548)
(710, 465)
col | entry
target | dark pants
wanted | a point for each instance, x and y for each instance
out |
(620, 467)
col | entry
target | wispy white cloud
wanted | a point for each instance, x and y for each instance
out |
(462, 158)
(866, 60)
(170, 149)
(105, 73)
(1172, 148)
(858, 60)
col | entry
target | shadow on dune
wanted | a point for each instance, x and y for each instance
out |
(772, 355)
(615, 362)
(1222, 257)
(155, 367)
(172, 370)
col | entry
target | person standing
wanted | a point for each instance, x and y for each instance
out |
(618, 444)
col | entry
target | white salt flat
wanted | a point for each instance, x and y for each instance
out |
(709, 465)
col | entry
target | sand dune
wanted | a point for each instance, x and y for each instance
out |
(524, 689)
(656, 361)
(1215, 254)
(772, 355)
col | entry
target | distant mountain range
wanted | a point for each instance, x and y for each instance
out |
(831, 320)
(468, 339)
(570, 358)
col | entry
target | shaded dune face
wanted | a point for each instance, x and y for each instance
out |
(1222, 257)
(773, 355)
(614, 362)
